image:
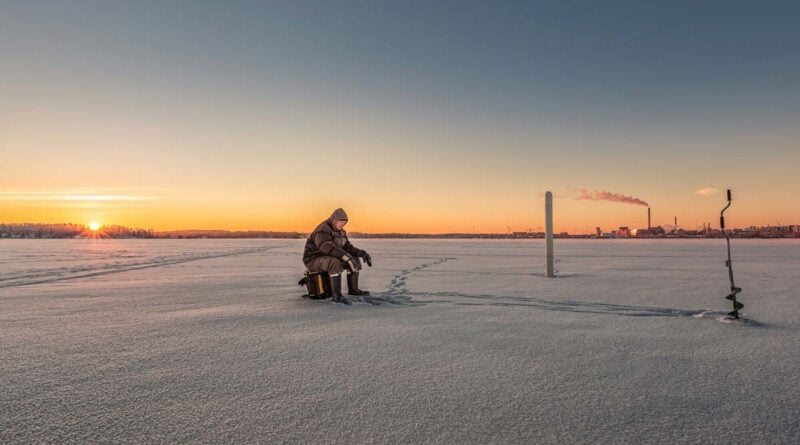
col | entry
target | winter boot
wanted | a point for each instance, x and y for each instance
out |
(336, 289)
(352, 285)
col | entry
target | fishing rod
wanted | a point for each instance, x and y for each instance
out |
(734, 290)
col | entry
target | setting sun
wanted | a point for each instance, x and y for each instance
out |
(94, 226)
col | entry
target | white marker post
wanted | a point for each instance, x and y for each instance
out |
(548, 224)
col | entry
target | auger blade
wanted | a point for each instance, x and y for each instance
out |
(733, 293)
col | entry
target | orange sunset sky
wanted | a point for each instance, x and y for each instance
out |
(420, 120)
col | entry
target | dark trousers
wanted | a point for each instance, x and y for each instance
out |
(330, 264)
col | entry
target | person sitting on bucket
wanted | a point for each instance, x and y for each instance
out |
(328, 250)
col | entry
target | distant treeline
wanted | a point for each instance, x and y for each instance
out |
(228, 234)
(41, 230)
(33, 230)
(514, 235)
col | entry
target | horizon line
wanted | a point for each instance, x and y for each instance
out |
(380, 233)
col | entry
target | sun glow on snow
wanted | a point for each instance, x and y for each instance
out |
(94, 226)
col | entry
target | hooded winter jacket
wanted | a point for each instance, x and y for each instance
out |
(326, 240)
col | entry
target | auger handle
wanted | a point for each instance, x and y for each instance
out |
(722, 213)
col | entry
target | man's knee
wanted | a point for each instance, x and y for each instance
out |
(335, 266)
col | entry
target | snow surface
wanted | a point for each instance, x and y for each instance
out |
(209, 341)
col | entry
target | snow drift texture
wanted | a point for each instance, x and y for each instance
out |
(208, 341)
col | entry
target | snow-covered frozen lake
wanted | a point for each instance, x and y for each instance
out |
(209, 341)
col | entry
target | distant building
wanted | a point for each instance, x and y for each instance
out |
(652, 232)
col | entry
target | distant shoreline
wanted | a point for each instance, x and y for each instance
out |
(68, 231)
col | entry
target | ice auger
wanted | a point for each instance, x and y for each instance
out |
(734, 290)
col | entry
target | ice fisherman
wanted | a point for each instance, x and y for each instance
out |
(328, 250)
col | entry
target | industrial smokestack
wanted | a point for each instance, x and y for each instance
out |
(648, 218)
(676, 222)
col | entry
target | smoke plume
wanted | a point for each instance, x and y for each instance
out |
(602, 195)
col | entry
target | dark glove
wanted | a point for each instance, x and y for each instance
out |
(350, 263)
(365, 256)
